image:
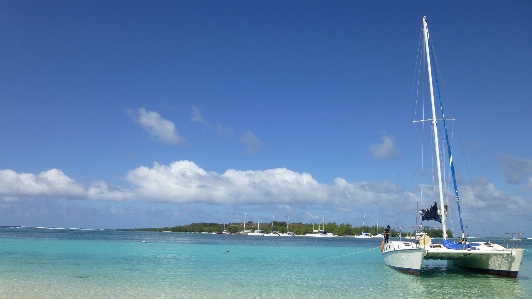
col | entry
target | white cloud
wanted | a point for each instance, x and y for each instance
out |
(197, 117)
(221, 130)
(156, 125)
(185, 182)
(484, 205)
(51, 183)
(385, 150)
(225, 131)
(253, 144)
(516, 169)
(102, 190)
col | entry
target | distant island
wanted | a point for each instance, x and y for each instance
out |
(282, 227)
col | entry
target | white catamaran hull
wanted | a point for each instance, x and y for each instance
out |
(505, 262)
(403, 256)
(492, 258)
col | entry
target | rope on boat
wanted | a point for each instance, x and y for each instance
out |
(345, 255)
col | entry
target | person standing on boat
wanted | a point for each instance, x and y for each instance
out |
(386, 234)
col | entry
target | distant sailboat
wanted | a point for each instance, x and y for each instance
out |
(288, 232)
(320, 233)
(224, 232)
(363, 235)
(244, 231)
(272, 233)
(378, 235)
(257, 232)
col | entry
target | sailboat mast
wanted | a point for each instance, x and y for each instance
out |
(435, 128)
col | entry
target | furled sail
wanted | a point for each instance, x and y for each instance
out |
(431, 213)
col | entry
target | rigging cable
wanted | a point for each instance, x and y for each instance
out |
(449, 151)
(470, 183)
(421, 136)
(417, 75)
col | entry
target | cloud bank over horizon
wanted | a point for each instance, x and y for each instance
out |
(184, 182)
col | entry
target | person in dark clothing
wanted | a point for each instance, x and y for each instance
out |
(386, 234)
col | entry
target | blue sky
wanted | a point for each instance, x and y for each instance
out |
(119, 114)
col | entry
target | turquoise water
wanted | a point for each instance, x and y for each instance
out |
(45, 263)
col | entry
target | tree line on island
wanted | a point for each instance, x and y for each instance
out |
(281, 227)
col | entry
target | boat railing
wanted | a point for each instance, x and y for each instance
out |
(416, 229)
(513, 240)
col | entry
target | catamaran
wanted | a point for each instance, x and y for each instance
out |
(408, 256)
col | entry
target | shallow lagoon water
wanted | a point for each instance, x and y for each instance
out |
(45, 263)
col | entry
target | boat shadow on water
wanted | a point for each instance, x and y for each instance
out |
(437, 270)
(438, 280)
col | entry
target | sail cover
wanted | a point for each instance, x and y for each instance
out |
(430, 213)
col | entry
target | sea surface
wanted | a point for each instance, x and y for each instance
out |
(73, 263)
